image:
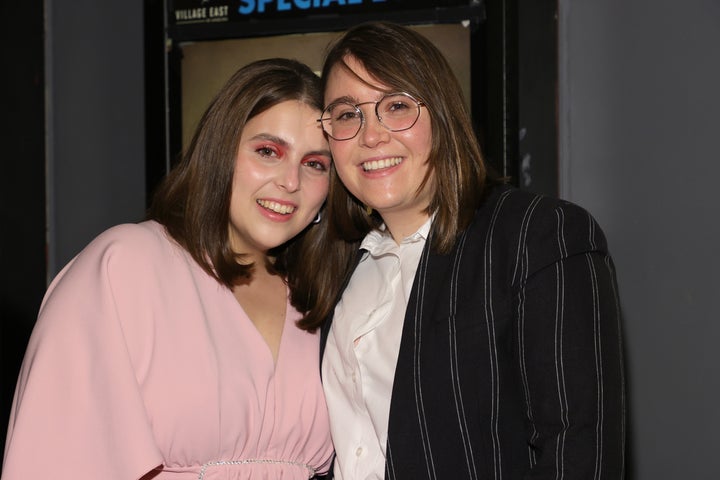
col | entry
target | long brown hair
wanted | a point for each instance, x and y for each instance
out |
(405, 60)
(193, 201)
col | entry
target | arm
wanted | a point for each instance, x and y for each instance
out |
(570, 353)
(78, 410)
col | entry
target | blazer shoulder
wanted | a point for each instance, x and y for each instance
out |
(539, 228)
(517, 211)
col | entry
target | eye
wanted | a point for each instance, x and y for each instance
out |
(319, 164)
(344, 113)
(397, 107)
(266, 151)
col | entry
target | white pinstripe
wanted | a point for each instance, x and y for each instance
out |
(559, 359)
(610, 267)
(598, 352)
(492, 342)
(454, 370)
(532, 457)
(522, 262)
(417, 327)
(598, 368)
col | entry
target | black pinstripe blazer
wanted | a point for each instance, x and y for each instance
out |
(510, 363)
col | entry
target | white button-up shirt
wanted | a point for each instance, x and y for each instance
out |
(362, 349)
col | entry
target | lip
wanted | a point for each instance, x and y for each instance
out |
(381, 164)
(276, 210)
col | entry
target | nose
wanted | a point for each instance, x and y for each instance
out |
(372, 132)
(288, 177)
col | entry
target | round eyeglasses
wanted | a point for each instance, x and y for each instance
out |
(395, 111)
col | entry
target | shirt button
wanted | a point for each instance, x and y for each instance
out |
(354, 377)
(359, 451)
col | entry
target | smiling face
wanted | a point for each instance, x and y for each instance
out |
(281, 177)
(382, 169)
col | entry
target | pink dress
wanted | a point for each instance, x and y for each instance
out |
(141, 362)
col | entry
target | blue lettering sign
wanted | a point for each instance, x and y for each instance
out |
(249, 7)
(246, 7)
(261, 5)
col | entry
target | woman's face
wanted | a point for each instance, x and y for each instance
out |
(383, 169)
(281, 177)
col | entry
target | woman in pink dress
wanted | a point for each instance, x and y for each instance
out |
(179, 348)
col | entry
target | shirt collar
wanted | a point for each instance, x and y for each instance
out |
(379, 241)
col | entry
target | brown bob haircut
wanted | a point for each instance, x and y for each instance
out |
(193, 201)
(406, 61)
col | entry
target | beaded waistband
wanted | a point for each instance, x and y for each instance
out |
(311, 470)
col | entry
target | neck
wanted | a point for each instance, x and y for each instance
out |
(402, 225)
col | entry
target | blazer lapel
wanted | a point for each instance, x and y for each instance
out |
(407, 430)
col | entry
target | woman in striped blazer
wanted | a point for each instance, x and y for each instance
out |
(477, 334)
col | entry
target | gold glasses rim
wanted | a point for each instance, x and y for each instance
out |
(356, 106)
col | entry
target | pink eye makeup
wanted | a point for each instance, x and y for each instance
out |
(266, 150)
(269, 145)
(320, 163)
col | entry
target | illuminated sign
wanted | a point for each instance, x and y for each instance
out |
(248, 7)
(182, 12)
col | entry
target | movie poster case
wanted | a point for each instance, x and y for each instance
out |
(206, 41)
(229, 34)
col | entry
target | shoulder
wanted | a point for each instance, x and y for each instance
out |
(510, 203)
(122, 252)
(119, 267)
(123, 274)
(141, 243)
(538, 228)
(511, 211)
(143, 235)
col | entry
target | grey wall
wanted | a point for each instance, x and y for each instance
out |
(640, 133)
(80, 165)
(95, 121)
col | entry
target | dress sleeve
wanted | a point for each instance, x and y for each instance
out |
(78, 410)
(570, 353)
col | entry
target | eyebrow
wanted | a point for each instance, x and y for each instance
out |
(325, 153)
(354, 101)
(344, 98)
(270, 138)
(275, 139)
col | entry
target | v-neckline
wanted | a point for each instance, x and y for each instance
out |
(274, 356)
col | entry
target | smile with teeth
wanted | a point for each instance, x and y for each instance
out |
(379, 164)
(276, 207)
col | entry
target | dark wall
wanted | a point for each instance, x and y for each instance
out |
(70, 177)
(640, 127)
(22, 187)
(96, 128)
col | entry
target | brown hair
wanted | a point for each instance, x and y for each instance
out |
(193, 201)
(405, 60)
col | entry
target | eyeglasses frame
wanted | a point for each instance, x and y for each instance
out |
(357, 106)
